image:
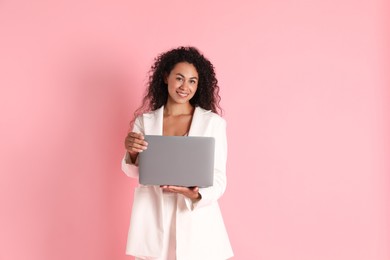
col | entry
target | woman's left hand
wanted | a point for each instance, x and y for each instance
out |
(192, 192)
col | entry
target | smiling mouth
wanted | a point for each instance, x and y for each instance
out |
(183, 95)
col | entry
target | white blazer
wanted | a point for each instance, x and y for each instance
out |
(200, 230)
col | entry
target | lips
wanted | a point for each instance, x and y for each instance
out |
(182, 94)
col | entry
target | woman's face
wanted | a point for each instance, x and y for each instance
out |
(182, 83)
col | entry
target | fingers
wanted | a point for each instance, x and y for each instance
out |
(135, 143)
(190, 192)
(195, 189)
(177, 189)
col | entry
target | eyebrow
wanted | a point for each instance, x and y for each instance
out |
(184, 77)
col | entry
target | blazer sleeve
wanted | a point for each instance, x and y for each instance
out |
(213, 193)
(128, 167)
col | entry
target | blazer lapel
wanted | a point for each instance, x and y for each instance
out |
(197, 124)
(153, 122)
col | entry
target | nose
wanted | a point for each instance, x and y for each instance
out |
(185, 85)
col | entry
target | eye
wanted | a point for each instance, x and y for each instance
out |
(192, 81)
(179, 79)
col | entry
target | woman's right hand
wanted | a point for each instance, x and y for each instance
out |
(134, 144)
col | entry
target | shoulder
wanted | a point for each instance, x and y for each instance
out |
(210, 116)
(153, 113)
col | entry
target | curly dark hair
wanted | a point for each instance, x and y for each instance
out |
(207, 94)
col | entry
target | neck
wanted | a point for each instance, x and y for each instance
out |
(178, 109)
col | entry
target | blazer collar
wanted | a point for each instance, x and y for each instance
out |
(153, 122)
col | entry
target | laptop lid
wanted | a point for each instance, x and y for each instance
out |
(177, 160)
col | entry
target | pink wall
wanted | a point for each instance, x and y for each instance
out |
(305, 93)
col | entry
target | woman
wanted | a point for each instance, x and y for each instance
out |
(171, 222)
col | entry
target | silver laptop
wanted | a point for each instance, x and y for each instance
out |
(177, 160)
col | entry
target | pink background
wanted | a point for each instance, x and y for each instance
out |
(304, 86)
